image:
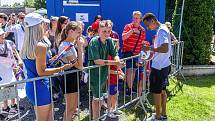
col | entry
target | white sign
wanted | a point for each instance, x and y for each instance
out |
(82, 17)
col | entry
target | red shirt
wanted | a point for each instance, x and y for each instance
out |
(129, 43)
(113, 77)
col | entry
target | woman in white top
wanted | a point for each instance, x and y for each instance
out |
(7, 64)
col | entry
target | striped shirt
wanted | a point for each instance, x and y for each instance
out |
(129, 43)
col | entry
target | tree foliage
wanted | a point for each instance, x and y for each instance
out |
(196, 29)
(29, 3)
(40, 4)
(35, 3)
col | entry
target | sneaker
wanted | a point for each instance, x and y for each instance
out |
(164, 118)
(112, 115)
(152, 118)
(7, 110)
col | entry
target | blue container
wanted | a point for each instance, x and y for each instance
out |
(119, 11)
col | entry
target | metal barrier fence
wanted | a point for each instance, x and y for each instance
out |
(122, 100)
(177, 58)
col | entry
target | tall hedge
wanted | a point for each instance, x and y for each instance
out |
(196, 30)
(170, 7)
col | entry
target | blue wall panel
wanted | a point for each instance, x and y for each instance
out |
(119, 11)
(92, 11)
(50, 5)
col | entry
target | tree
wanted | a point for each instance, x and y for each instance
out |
(170, 7)
(35, 3)
(29, 3)
(40, 4)
(196, 29)
(17, 5)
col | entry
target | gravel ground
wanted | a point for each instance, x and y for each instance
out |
(28, 113)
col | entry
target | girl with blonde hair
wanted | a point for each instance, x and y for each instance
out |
(34, 55)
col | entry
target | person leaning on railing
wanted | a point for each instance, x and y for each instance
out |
(133, 37)
(99, 48)
(71, 36)
(173, 38)
(34, 55)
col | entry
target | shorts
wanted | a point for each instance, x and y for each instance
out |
(43, 94)
(112, 89)
(71, 82)
(129, 62)
(97, 90)
(158, 79)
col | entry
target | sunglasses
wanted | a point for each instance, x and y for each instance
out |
(21, 17)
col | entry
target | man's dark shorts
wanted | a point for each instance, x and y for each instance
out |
(158, 79)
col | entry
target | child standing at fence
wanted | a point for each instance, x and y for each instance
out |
(34, 55)
(71, 36)
(7, 65)
(99, 48)
(116, 74)
(142, 69)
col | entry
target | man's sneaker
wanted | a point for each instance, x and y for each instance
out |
(153, 119)
(6, 110)
(164, 118)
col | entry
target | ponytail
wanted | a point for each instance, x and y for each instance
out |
(64, 34)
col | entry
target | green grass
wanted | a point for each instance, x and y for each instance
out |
(194, 102)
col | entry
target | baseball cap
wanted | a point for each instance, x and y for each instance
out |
(95, 25)
(33, 19)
